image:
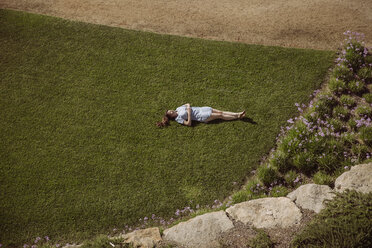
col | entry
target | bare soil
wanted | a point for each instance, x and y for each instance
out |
(315, 24)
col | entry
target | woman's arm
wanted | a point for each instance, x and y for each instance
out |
(188, 108)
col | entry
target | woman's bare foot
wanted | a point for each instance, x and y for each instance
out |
(242, 115)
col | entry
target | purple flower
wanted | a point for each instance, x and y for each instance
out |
(25, 246)
(58, 245)
(47, 238)
(290, 121)
(145, 219)
(346, 167)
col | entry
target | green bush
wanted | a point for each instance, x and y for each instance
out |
(368, 97)
(355, 58)
(337, 86)
(315, 145)
(240, 196)
(343, 73)
(323, 179)
(103, 241)
(279, 191)
(365, 73)
(345, 222)
(329, 162)
(348, 139)
(280, 161)
(311, 116)
(360, 152)
(324, 105)
(364, 110)
(365, 133)
(347, 101)
(352, 124)
(305, 162)
(337, 125)
(356, 87)
(261, 240)
(267, 174)
(290, 178)
(341, 113)
(253, 190)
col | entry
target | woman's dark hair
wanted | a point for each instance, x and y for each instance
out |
(165, 121)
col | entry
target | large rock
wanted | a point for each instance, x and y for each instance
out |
(267, 212)
(202, 231)
(359, 178)
(145, 238)
(311, 196)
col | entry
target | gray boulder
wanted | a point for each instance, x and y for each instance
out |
(267, 212)
(202, 231)
(311, 196)
(359, 178)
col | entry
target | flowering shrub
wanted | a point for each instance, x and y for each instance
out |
(365, 74)
(323, 178)
(267, 174)
(279, 191)
(280, 160)
(337, 86)
(368, 97)
(347, 101)
(364, 111)
(365, 134)
(333, 132)
(324, 106)
(337, 125)
(355, 55)
(305, 162)
(356, 87)
(291, 178)
(253, 190)
(341, 113)
(342, 72)
(360, 152)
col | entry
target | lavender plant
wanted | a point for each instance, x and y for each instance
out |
(368, 97)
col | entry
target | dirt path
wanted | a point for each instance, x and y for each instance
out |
(316, 24)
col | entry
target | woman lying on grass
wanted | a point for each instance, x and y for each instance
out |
(186, 114)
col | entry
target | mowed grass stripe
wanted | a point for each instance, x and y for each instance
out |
(80, 153)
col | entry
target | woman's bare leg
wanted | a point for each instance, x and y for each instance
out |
(224, 112)
(215, 116)
(234, 114)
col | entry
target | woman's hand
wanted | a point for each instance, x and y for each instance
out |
(187, 105)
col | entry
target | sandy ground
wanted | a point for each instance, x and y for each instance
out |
(316, 24)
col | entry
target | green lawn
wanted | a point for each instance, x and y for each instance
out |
(80, 153)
